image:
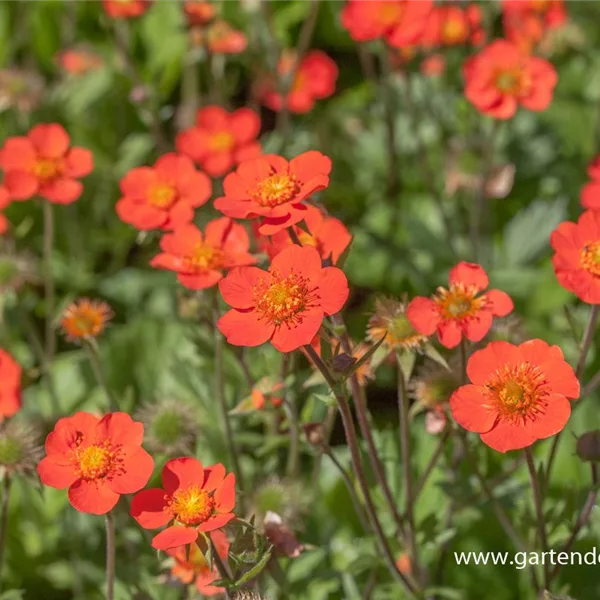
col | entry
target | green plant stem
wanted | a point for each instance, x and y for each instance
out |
(463, 361)
(405, 449)
(583, 518)
(4, 520)
(353, 445)
(586, 343)
(49, 291)
(110, 556)
(539, 511)
(289, 405)
(350, 487)
(431, 464)
(221, 567)
(94, 355)
(219, 388)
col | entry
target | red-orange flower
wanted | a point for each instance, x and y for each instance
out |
(125, 9)
(85, 319)
(433, 65)
(10, 385)
(518, 394)
(400, 22)
(163, 196)
(274, 189)
(501, 77)
(5, 200)
(452, 25)
(222, 38)
(314, 80)
(460, 310)
(220, 140)
(590, 192)
(200, 259)
(193, 567)
(199, 12)
(196, 498)
(98, 459)
(577, 256)
(44, 164)
(285, 305)
(78, 61)
(327, 234)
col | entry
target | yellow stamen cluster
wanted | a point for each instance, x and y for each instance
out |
(47, 169)
(162, 196)
(96, 461)
(205, 257)
(459, 302)
(275, 190)
(191, 505)
(590, 258)
(85, 319)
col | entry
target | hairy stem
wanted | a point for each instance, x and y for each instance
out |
(93, 354)
(291, 411)
(49, 291)
(539, 511)
(221, 566)
(431, 464)
(110, 556)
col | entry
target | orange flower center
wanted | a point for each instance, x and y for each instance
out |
(540, 5)
(96, 461)
(590, 258)
(191, 505)
(85, 319)
(518, 391)
(47, 169)
(306, 239)
(459, 302)
(453, 30)
(390, 13)
(514, 82)
(206, 258)
(284, 299)
(162, 196)
(222, 141)
(275, 190)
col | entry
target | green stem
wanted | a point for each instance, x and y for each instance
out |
(221, 567)
(94, 356)
(4, 520)
(49, 291)
(431, 464)
(353, 445)
(405, 449)
(110, 556)
(219, 388)
(539, 510)
(291, 411)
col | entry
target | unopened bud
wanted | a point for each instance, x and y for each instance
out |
(314, 433)
(588, 446)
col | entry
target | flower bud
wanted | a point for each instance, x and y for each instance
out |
(588, 446)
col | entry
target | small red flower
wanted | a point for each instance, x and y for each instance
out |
(400, 22)
(221, 38)
(43, 164)
(314, 79)
(519, 394)
(199, 12)
(274, 189)
(196, 498)
(78, 61)
(577, 256)
(193, 567)
(163, 196)
(220, 140)
(501, 77)
(10, 385)
(461, 309)
(200, 259)
(590, 192)
(85, 319)
(327, 234)
(433, 65)
(5, 200)
(98, 459)
(453, 25)
(285, 305)
(125, 9)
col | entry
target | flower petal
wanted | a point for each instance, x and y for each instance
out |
(147, 508)
(471, 410)
(423, 315)
(174, 536)
(244, 328)
(469, 274)
(333, 290)
(92, 497)
(137, 470)
(225, 495)
(181, 473)
(501, 303)
(56, 475)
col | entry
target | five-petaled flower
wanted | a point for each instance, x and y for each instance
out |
(460, 310)
(193, 567)
(195, 498)
(400, 22)
(125, 9)
(274, 189)
(314, 79)
(200, 259)
(98, 459)
(518, 394)
(577, 256)
(85, 319)
(44, 164)
(220, 140)
(327, 234)
(286, 305)
(451, 25)
(163, 196)
(501, 78)
(10, 385)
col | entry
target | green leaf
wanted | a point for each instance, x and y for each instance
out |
(431, 352)
(254, 571)
(406, 362)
